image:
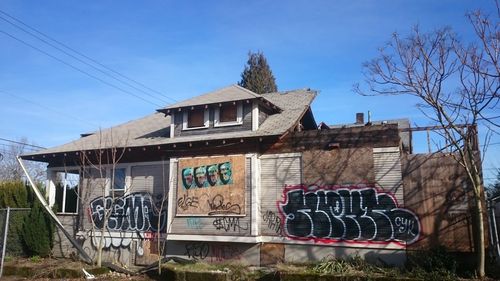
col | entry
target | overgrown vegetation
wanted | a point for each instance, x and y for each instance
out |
(31, 232)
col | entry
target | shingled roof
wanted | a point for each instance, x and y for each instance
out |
(154, 129)
(227, 94)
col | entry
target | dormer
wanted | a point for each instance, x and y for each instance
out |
(229, 109)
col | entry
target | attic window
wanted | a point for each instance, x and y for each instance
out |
(228, 114)
(195, 119)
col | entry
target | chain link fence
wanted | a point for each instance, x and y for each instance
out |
(11, 223)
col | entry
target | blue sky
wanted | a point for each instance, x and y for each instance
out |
(186, 48)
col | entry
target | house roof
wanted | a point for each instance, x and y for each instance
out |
(227, 94)
(154, 129)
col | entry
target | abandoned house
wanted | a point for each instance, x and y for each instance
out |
(232, 175)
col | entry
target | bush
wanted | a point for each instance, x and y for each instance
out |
(30, 232)
(436, 264)
(37, 232)
(14, 194)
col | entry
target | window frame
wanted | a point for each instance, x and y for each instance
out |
(239, 116)
(185, 116)
(64, 182)
(111, 190)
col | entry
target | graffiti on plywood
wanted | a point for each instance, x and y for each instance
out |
(132, 212)
(211, 186)
(207, 176)
(353, 214)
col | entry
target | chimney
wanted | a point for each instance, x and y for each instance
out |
(360, 118)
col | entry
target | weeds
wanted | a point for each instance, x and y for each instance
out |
(36, 259)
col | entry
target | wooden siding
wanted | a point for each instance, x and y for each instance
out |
(387, 169)
(277, 171)
(338, 166)
(246, 126)
(215, 225)
(149, 178)
(437, 190)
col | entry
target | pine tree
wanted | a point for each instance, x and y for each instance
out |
(38, 231)
(257, 75)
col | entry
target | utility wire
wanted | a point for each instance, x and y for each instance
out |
(82, 55)
(9, 146)
(78, 69)
(23, 143)
(51, 109)
(80, 60)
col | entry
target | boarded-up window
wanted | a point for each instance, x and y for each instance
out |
(196, 118)
(228, 113)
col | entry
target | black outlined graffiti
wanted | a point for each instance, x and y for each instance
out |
(133, 212)
(215, 251)
(185, 202)
(355, 213)
(219, 207)
(229, 224)
(273, 221)
(197, 250)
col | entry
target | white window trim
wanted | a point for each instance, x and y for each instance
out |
(239, 117)
(128, 179)
(185, 121)
(52, 188)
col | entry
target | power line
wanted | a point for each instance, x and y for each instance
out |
(51, 109)
(82, 55)
(78, 59)
(8, 147)
(77, 69)
(23, 143)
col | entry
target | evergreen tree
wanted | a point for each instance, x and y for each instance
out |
(257, 75)
(38, 231)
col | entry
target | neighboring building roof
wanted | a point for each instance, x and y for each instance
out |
(227, 94)
(154, 129)
(403, 123)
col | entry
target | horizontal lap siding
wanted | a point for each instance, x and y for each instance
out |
(149, 178)
(276, 173)
(206, 225)
(387, 168)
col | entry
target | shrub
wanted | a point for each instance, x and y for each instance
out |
(37, 232)
(436, 264)
(14, 194)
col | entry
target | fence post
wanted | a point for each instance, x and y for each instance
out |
(4, 244)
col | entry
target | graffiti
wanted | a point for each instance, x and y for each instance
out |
(219, 207)
(186, 202)
(273, 221)
(216, 252)
(220, 253)
(229, 224)
(194, 223)
(207, 176)
(133, 212)
(333, 213)
(197, 250)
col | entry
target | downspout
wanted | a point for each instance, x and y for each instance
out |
(40, 197)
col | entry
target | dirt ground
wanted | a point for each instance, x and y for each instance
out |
(43, 267)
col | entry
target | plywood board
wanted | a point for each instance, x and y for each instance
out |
(211, 186)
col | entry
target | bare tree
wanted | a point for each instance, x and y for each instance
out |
(93, 165)
(457, 88)
(9, 166)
